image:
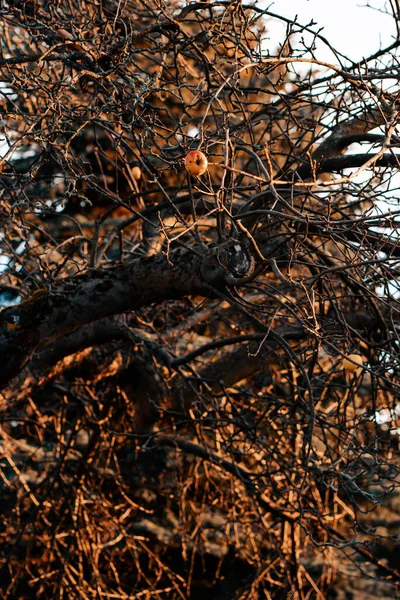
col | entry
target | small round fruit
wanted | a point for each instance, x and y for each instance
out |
(136, 173)
(196, 163)
(348, 363)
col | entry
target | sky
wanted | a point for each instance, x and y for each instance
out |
(352, 28)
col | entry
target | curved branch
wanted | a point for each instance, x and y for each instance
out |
(50, 314)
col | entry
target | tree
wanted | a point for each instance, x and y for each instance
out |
(176, 417)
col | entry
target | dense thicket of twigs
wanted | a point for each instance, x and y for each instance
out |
(175, 418)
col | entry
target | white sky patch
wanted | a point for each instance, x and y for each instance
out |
(4, 262)
(385, 417)
(193, 131)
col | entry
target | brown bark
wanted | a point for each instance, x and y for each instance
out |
(51, 314)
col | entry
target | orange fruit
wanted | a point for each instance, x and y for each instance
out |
(196, 162)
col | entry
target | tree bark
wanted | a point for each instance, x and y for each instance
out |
(50, 314)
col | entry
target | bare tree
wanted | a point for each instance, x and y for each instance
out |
(200, 374)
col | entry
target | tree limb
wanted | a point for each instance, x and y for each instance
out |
(349, 161)
(50, 314)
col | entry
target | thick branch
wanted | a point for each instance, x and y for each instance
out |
(349, 161)
(333, 145)
(49, 315)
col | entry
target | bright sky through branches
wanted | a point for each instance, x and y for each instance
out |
(350, 26)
